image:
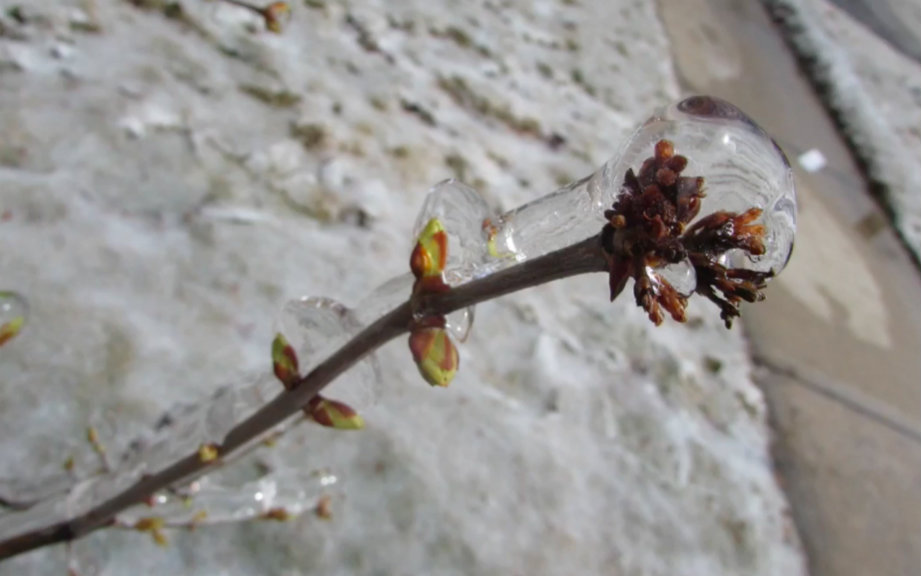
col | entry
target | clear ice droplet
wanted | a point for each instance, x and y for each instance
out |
(14, 312)
(566, 216)
(680, 275)
(394, 292)
(742, 166)
(460, 322)
(463, 213)
(466, 218)
(316, 327)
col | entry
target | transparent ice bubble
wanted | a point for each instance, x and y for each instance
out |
(315, 328)
(466, 218)
(384, 298)
(394, 292)
(463, 213)
(564, 217)
(14, 312)
(680, 275)
(460, 322)
(742, 166)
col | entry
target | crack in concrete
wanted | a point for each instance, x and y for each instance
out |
(850, 398)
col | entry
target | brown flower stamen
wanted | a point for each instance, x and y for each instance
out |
(647, 229)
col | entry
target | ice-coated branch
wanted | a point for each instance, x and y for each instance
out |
(586, 256)
(700, 200)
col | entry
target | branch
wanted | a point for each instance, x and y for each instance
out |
(652, 224)
(581, 258)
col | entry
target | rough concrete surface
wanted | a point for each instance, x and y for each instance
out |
(170, 179)
(837, 340)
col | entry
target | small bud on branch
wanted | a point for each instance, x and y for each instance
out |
(284, 362)
(333, 414)
(273, 14)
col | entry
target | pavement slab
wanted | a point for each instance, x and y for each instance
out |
(871, 90)
(837, 343)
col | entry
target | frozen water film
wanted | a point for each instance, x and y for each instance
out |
(564, 217)
(742, 166)
(179, 432)
(466, 218)
(293, 490)
(316, 327)
(463, 213)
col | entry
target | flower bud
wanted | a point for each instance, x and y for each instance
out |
(154, 526)
(273, 15)
(434, 354)
(333, 414)
(284, 362)
(429, 257)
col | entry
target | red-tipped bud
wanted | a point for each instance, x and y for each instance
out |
(434, 354)
(10, 329)
(333, 414)
(284, 362)
(429, 257)
(274, 13)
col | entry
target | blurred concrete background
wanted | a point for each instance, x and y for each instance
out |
(839, 344)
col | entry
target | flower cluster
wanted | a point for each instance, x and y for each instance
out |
(648, 227)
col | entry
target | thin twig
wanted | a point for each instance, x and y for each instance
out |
(584, 257)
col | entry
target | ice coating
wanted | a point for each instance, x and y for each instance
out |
(294, 489)
(564, 217)
(187, 427)
(462, 212)
(78, 499)
(179, 432)
(742, 166)
(465, 217)
(316, 327)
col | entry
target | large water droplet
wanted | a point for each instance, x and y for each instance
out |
(742, 166)
(317, 327)
(14, 311)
